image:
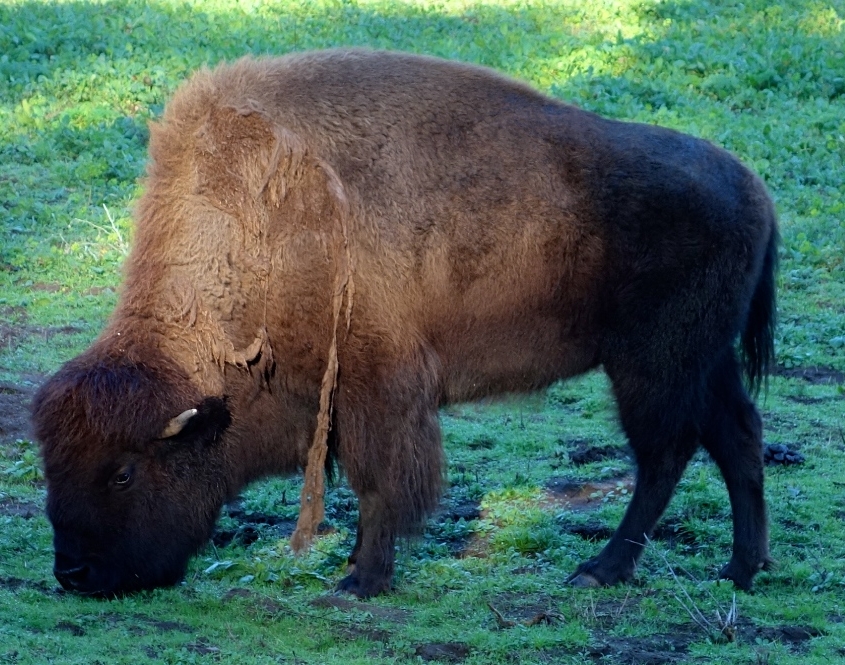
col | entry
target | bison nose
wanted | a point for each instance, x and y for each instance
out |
(72, 578)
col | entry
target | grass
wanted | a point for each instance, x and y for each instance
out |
(78, 83)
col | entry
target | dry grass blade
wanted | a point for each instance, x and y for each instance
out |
(725, 626)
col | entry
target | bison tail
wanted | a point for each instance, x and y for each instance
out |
(757, 344)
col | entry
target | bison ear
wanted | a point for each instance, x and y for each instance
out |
(207, 421)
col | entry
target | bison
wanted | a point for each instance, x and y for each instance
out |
(332, 245)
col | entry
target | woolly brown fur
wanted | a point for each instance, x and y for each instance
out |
(496, 240)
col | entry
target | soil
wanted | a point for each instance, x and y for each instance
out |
(658, 649)
(671, 646)
(16, 397)
(14, 410)
(578, 495)
(444, 652)
(15, 583)
(256, 600)
(582, 452)
(812, 374)
(251, 527)
(24, 509)
(523, 609)
(391, 614)
(203, 648)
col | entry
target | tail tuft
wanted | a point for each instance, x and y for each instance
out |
(757, 344)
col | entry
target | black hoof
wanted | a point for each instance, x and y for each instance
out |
(742, 575)
(596, 573)
(366, 588)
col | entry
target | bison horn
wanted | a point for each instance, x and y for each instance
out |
(177, 424)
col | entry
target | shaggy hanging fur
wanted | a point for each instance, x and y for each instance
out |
(312, 503)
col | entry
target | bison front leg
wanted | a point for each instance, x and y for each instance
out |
(371, 563)
(389, 447)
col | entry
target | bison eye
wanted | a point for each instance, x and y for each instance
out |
(123, 478)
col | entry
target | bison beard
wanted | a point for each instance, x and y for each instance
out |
(355, 238)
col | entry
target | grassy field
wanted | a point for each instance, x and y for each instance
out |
(536, 483)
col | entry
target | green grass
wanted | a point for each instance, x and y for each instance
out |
(78, 83)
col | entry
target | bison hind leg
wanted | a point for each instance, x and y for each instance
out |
(661, 415)
(733, 436)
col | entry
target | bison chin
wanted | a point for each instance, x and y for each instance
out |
(91, 573)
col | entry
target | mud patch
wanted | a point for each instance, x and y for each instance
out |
(824, 375)
(391, 614)
(11, 334)
(356, 632)
(444, 652)
(671, 647)
(482, 443)
(591, 530)
(256, 600)
(203, 647)
(607, 613)
(14, 410)
(16, 583)
(141, 624)
(47, 287)
(70, 627)
(23, 509)
(583, 453)
(804, 399)
(660, 649)
(445, 528)
(512, 609)
(793, 637)
(165, 626)
(580, 495)
(251, 527)
(674, 534)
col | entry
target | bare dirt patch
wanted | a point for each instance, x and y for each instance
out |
(69, 627)
(391, 614)
(252, 526)
(583, 452)
(16, 583)
(257, 600)
(203, 647)
(24, 509)
(584, 495)
(14, 327)
(47, 287)
(446, 652)
(659, 649)
(141, 624)
(812, 374)
(794, 637)
(14, 410)
(513, 609)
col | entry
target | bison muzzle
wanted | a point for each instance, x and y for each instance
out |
(332, 245)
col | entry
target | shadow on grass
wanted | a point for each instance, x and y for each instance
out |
(78, 77)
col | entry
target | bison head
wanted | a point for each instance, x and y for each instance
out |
(134, 462)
